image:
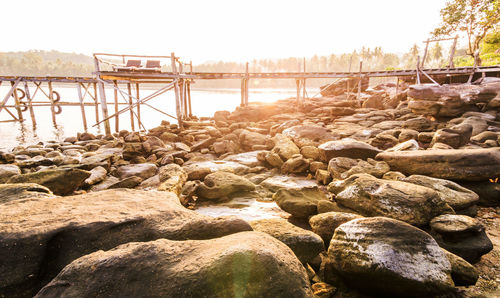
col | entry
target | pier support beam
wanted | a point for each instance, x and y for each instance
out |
(82, 106)
(178, 110)
(104, 105)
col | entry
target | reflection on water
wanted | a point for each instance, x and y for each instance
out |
(69, 122)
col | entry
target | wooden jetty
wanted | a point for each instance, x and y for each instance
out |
(125, 74)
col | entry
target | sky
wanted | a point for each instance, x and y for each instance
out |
(212, 30)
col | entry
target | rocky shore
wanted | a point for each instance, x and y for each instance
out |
(392, 194)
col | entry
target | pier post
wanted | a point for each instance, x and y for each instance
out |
(452, 53)
(30, 103)
(138, 96)
(82, 106)
(18, 104)
(96, 103)
(425, 53)
(360, 78)
(129, 88)
(117, 119)
(102, 93)
(247, 83)
(176, 88)
(242, 92)
(51, 98)
(189, 99)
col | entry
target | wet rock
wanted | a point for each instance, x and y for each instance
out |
(18, 191)
(299, 202)
(305, 244)
(144, 170)
(60, 181)
(199, 169)
(248, 159)
(187, 269)
(59, 230)
(461, 164)
(347, 148)
(277, 182)
(285, 147)
(343, 167)
(459, 198)
(296, 164)
(7, 171)
(324, 224)
(462, 272)
(97, 175)
(387, 257)
(461, 235)
(370, 196)
(221, 185)
(172, 178)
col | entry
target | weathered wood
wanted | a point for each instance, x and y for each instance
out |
(418, 70)
(96, 103)
(9, 94)
(30, 104)
(242, 93)
(360, 78)
(102, 93)
(451, 64)
(52, 103)
(117, 119)
(247, 83)
(189, 99)
(138, 99)
(176, 89)
(18, 104)
(129, 88)
(425, 53)
(82, 106)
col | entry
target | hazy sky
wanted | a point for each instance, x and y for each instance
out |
(205, 30)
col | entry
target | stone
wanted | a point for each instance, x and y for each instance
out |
(343, 167)
(310, 152)
(60, 181)
(56, 231)
(221, 185)
(407, 134)
(249, 138)
(296, 164)
(308, 135)
(459, 198)
(410, 145)
(143, 170)
(248, 159)
(488, 192)
(250, 264)
(461, 164)
(18, 191)
(199, 169)
(461, 235)
(383, 141)
(387, 257)
(347, 148)
(105, 184)
(419, 124)
(7, 171)
(274, 159)
(324, 224)
(97, 174)
(277, 182)
(285, 147)
(391, 175)
(129, 182)
(370, 196)
(299, 202)
(305, 244)
(203, 144)
(456, 136)
(172, 178)
(462, 272)
(322, 176)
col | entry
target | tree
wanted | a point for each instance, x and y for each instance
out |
(437, 52)
(474, 17)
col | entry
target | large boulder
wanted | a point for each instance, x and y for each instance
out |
(221, 185)
(284, 147)
(324, 224)
(370, 196)
(308, 135)
(459, 198)
(39, 236)
(249, 138)
(461, 164)
(461, 235)
(7, 171)
(305, 244)
(17, 191)
(61, 181)
(199, 169)
(249, 264)
(172, 178)
(387, 257)
(299, 202)
(343, 167)
(142, 170)
(278, 182)
(347, 148)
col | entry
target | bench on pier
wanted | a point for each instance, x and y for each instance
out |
(136, 65)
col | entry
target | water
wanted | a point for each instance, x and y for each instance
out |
(204, 103)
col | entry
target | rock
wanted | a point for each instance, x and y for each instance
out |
(172, 178)
(324, 224)
(462, 272)
(221, 185)
(18, 191)
(347, 148)
(221, 115)
(410, 145)
(285, 147)
(407, 134)
(458, 197)
(129, 182)
(296, 164)
(143, 170)
(305, 244)
(391, 175)
(322, 176)
(7, 171)
(265, 267)
(488, 191)
(203, 144)
(274, 159)
(383, 141)
(343, 167)
(105, 184)
(387, 257)
(344, 86)
(310, 152)
(308, 135)
(299, 202)
(60, 181)
(97, 174)
(461, 164)
(456, 136)
(250, 138)
(277, 182)
(248, 159)
(370, 196)
(56, 231)
(199, 169)
(419, 124)
(461, 235)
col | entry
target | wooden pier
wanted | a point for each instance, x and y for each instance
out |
(125, 74)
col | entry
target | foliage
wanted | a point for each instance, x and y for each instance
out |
(474, 17)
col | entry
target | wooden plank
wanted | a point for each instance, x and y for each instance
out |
(9, 94)
(82, 106)
(30, 104)
(425, 54)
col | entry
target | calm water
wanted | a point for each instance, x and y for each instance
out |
(69, 122)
